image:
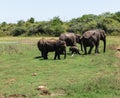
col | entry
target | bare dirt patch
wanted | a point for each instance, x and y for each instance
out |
(116, 48)
(1, 96)
(44, 91)
(117, 54)
(118, 51)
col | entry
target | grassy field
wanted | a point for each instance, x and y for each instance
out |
(80, 76)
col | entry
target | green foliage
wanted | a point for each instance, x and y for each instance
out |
(116, 16)
(56, 26)
(3, 24)
(20, 23)
(31, 20)
(53, 27)
(109, 25)
(110, 22)
(18, 31)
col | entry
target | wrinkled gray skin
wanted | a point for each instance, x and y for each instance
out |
(50, 45)
(74, 49)
(92, 38)
(71, 39)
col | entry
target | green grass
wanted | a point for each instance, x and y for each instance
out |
(84, 76)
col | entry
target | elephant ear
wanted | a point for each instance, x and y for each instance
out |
(60, 43)
(77, 37)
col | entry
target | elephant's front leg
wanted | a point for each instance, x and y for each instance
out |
(58, 53)
(65, 54)
(85, 49)
(45, 55)
(42, 54)
(78, 52)
(59, 56)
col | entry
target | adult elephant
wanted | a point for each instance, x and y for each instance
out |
(50, 45)
(70, 38)
(92, 38)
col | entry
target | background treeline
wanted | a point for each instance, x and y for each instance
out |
(110, 22)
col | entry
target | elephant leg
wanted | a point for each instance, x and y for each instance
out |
(55, 55)
(64, 54)
(72, 52)
(42, 54)
(91, 47)
(85, 49)
(45, 55)
(59, 56)
(97, 48)
(78, 52)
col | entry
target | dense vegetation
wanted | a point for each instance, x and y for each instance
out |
(110, 22)
(80, 76)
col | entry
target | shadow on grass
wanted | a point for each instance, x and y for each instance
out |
(39, 57)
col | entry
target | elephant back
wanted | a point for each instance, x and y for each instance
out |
(69, 38)
(88, 34)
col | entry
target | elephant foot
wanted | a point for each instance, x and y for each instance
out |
(54, 58)
(97, 52)
(45, 58)
(58, 58)
(85, 54)
(89, 53)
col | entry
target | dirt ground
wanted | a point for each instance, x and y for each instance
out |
(118, 51)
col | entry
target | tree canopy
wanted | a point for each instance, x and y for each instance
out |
(110, 22)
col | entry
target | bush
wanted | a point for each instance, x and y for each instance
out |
(18, 31)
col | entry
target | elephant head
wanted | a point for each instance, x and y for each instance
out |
(78, 40)
(60, 47)
(102, 37)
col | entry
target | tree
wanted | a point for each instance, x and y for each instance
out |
(116, 16)
(109, 25)
(3, 24)
(20, 22)
(18, 31)
(31, 20)
(56, 25)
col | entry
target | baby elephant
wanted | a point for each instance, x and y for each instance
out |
(74, 50)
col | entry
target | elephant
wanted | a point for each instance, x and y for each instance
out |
(92, 38)
(50, 45)
(74, 49)
(70, 38)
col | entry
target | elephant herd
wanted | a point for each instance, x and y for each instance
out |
(89, 38)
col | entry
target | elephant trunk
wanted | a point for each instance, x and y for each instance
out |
(81, 44)
(104, 45)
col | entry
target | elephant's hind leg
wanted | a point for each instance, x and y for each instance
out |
(97, 48)
(91, 47)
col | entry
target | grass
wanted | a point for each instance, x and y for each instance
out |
(84, 76)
